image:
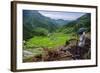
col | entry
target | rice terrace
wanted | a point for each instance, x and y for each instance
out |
(56, 35)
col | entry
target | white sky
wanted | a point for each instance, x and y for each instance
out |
(62, 15)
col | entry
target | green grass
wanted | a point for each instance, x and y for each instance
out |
(54, 40)
(36, 44)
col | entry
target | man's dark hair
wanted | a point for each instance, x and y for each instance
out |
(80, 33)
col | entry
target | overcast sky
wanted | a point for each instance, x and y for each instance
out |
(62, 15)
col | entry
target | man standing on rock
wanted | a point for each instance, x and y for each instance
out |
(81, 42)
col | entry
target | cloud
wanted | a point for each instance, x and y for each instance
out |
(62, 15)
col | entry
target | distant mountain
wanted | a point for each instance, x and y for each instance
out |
(83, 21)
(62, 22)
(35, 19)
(32, 20)
(35, 23)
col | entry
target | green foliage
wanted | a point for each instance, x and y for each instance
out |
(83, 21)
(27, 32)
(40, 31)
(54, 40)
(68, 30)
(34, 23)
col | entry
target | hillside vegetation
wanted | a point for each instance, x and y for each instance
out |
(45, 35)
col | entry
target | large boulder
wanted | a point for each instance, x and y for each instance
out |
(27, 53)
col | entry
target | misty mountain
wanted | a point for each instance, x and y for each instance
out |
(33, 20)
(83, 21)
(62, 22)
(35, 24)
